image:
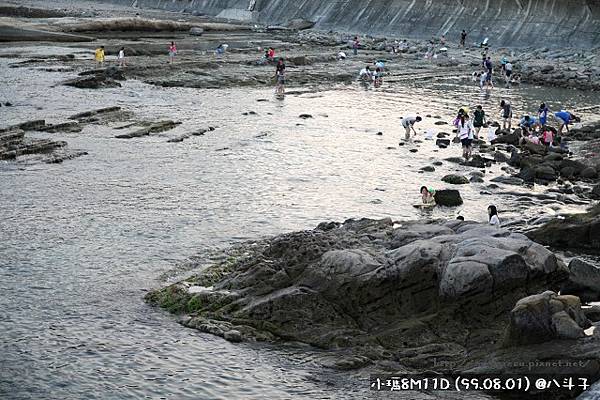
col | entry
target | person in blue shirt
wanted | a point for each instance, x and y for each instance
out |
(543, 114)
(527, 123)
(564, 118)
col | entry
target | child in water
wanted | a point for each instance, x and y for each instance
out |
(493, 216)
(427, 195)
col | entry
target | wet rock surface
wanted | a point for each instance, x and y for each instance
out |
(406, 293)
(577, 231)
(545, 317)
(14, 144)
(584, 281)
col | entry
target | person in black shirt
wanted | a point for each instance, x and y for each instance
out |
(280, 76)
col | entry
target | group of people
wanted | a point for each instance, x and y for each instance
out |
(533, 129)
(100, 56)
(428, 198)
(536, 129)
(368, 75)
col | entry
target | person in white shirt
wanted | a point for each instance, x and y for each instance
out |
(508, 69)
(365, 74)
(465, 132)
(121, 57)
(409, 124)
(493, 216)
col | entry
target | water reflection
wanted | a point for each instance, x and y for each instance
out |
(83, 240)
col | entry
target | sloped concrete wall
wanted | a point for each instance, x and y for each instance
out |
(547, 23)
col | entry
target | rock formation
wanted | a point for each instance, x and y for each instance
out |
(578, 231)
(408, 292)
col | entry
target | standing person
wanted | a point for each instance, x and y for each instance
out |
(493, 216)
(463, 38)
(280, 76)
(489, 66)
(506, 114)
(271, 53)
(482, 79)
(355, 45)
(479, 120)
(443, 40)
(99, 55)
(543, 114)
(172, 52)
(466, 133)
(564, 118)
(409, 124)
(121, 57)
(508, 69)
(378, 77)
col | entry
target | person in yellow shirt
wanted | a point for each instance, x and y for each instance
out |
(99, 55)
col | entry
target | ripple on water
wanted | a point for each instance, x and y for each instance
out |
(83, 240)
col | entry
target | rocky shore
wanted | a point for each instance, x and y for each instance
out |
(377, 296)
(449, 297)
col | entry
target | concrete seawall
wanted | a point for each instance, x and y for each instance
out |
(546, 23)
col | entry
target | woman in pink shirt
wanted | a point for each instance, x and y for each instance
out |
(172, 52)
(548, 137)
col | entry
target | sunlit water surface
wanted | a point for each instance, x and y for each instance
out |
(82, 241)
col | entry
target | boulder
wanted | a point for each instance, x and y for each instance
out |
(478, 162)
(455, 179)
(196, 31)
(584, 281)
(500, 157)
(535, 148)
(509, 138)
(442, 143)
(567, 172)
(233, 336)
(448, 198)
(428, 168)
(544, 317)
(547, 69)
(577, 166)
(545, 172)
(528, 174)
(578, 231)
(589, 173)
(370, 286)
(299, 24)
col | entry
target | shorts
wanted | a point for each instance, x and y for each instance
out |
(488, 77)
(543, 121)
(508, 74)
(466, 142)
(172, 53)
(281, 80)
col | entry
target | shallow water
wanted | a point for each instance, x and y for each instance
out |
(82, 241)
